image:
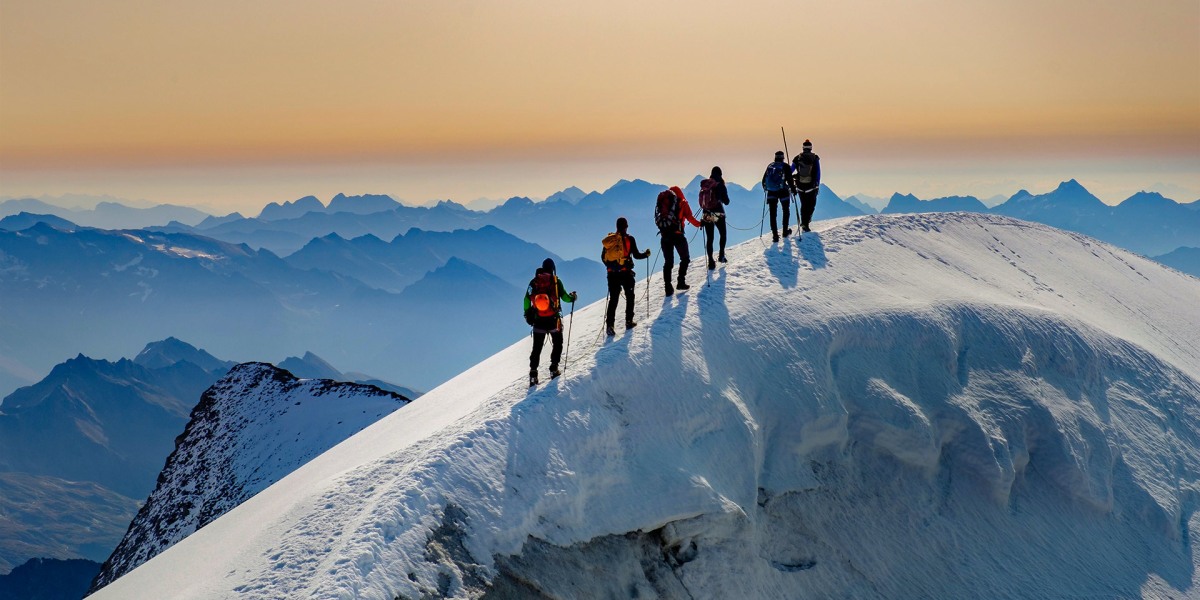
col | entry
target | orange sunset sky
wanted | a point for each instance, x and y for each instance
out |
(232, 104)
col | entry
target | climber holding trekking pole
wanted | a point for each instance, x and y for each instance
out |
(543, 312)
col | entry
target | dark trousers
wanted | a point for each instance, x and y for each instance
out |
(617, 281)
(539, 340)
(773, 202)
(674, 242)
(808, 203)
(708, 234)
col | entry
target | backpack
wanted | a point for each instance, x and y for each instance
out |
(543, 291)
(666, 211)
(803, 171)
(708, 196)
(614, 249)
(776, 177)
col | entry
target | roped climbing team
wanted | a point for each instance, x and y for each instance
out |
(781, 182)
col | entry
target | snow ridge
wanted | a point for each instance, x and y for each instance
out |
(251, 428)
(935, 405)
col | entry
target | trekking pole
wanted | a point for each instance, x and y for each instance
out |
(647, 302)
(567, 350)
(796, 204)
(763, 220)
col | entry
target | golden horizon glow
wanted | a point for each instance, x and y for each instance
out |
(133, 83)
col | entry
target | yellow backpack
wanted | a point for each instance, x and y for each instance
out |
(614, 249)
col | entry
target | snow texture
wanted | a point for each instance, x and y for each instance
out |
(915, 406)
(251, 428)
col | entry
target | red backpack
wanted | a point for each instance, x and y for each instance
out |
(666, 211)
(708, 196)
(543, 292)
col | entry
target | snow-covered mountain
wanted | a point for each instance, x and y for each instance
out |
(945, 405)
(908, 203)
(251, 428)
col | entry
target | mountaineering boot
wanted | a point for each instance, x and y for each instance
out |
(670, 290)
(533, 377)
(787, 232)
(554, 372)
(712, 264)
(804, 227)
(611, 332)
(775, 236)
(721, 258)
(629, 325)
(682, 283)
(667, 280)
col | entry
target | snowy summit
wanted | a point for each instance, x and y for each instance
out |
(940, 405)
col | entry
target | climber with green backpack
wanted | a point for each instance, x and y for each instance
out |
(618, 253)
(543, 312)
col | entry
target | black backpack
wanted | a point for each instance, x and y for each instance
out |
(804, 169)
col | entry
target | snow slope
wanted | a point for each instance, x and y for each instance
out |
(936, 405)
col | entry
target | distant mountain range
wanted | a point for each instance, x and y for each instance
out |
(99, 292)
(569, 223)
(107, 215)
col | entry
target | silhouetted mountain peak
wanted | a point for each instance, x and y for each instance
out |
(516, 202)
(362, 205)
(572, 194)
(291, 210)
(25, 220)
(310, 366)
(1070, 186)
(451, 205)
(1148, 200)
(170, 351)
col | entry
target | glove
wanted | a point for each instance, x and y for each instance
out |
(574, 295)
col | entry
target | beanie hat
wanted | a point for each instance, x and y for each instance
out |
(622, 224)
(807, 145)
(548, 265)
(779, 155)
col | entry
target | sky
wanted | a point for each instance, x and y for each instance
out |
(229, 105)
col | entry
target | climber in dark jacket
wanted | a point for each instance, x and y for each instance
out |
(543, 311)
(807, 167)
(716, 218)
(778, 183)
(622, 277)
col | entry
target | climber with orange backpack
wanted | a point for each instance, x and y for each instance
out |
(543, 312)
(619, 251)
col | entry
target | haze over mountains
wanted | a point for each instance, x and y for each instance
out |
(103, 293)
(820, 418)
(370, 248)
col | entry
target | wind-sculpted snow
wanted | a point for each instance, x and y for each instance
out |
(251, 428)
(942, 405)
